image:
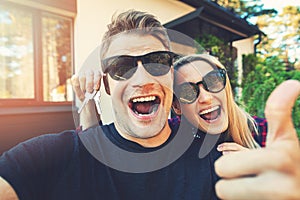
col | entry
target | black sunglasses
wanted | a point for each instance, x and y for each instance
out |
(213, 82)
(122, 67)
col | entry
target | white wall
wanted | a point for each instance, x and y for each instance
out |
(244, 47)
(90, 25)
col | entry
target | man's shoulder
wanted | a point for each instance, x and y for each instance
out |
(53, 139)
(96, 132)
(103, 128)
(26, 165)
(47, 144)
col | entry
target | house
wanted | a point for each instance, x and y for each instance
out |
(43, 42)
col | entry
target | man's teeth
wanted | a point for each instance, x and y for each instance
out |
(143, 99)
(209, 110)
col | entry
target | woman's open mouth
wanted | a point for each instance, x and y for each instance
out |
(144, 106)
(211, 113)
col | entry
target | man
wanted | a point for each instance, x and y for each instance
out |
(139, 77)
(66, 165)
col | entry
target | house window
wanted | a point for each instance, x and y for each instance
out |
(57, 65)
(36, 56)
(16, 54)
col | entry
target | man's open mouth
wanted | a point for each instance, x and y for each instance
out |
(211, 113)
(143, 106)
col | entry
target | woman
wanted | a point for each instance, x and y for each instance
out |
(204, 96)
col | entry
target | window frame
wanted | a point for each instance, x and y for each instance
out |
(38, 12)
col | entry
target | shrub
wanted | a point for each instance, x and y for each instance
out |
(260, 82)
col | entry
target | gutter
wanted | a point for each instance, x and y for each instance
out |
(258, 42)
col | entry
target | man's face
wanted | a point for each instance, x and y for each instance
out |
(141, 104)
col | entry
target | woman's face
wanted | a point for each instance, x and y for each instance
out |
(209, 111)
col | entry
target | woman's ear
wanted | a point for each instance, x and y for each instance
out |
(106, 85)
(176, 106)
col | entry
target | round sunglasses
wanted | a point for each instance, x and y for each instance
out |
(123, 67)
(213, 82)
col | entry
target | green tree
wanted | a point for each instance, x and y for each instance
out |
(245, 8)
(259, 83)
(224, 52)
(249, 63)
(283, 35)
(232, 5)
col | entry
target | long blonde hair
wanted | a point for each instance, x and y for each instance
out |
(241, 124)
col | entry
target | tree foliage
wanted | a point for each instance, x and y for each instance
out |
(262, 80)
(246, 8)
(278, 53)
(224, 52)
(282, 35)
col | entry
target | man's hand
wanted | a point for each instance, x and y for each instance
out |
(6, 191)
(272, 172)
(87, 81)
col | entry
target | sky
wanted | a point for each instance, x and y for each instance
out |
(279, 4)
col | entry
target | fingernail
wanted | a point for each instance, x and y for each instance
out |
(97, 85)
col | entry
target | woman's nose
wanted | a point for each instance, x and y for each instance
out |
(204, 95)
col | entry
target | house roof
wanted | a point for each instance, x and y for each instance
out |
(211, 18)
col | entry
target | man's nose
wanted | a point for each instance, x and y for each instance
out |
(141, 76)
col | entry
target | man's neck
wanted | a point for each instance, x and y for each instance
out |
(155, 141)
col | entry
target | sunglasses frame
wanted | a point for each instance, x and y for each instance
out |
(143, 58)
(197, 89)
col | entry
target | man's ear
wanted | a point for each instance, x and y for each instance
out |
(176, 106)
(106, 85)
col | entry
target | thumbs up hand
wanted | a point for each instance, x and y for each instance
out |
(278, 112)
(272, 172)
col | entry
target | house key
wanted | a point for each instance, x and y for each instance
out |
(97, 102)
(88, 96)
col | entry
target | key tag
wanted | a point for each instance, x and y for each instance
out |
(97, 102)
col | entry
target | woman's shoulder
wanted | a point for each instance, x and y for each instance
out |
(262, 128)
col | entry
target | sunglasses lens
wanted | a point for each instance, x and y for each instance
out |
(158, 64)
(187, 92)
(215, 81)
(121, 68)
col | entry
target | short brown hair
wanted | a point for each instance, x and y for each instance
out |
(132, 20)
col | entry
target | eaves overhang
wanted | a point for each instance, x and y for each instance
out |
(209, 14)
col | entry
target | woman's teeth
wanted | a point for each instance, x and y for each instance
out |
(211, 113)
(209, 110)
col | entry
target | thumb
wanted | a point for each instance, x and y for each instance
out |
(278, 112)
